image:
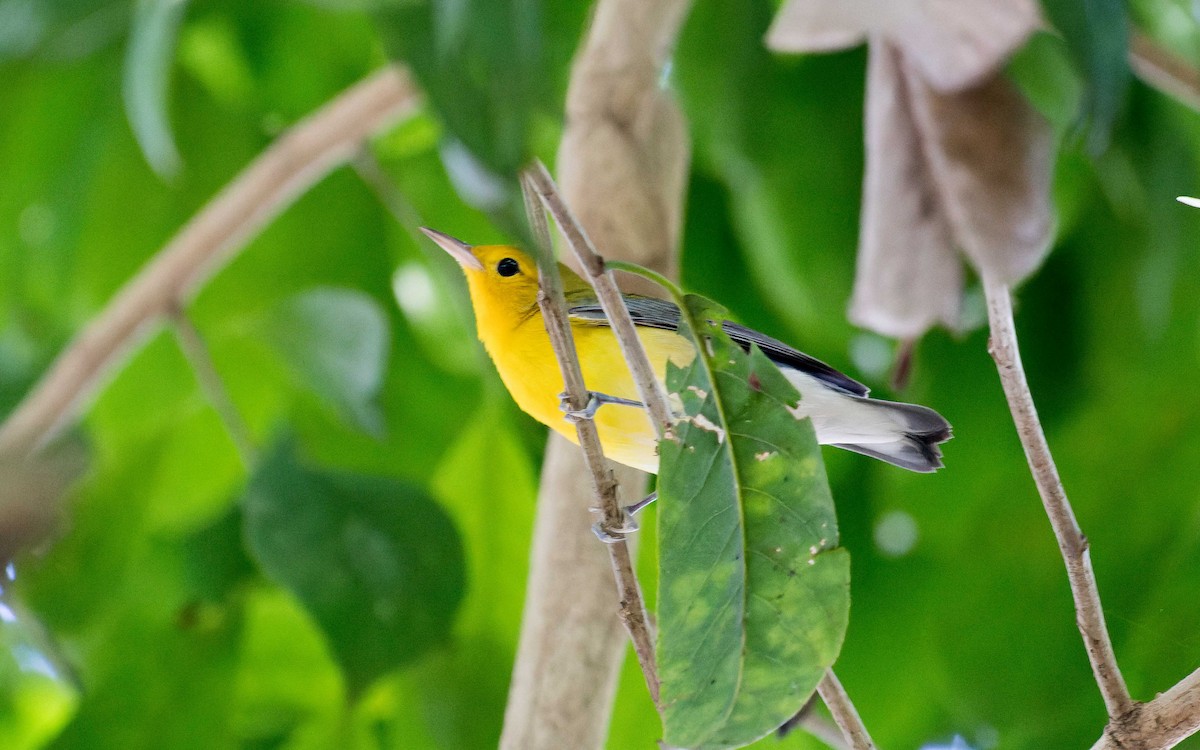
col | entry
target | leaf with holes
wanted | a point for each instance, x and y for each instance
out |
(753, 592)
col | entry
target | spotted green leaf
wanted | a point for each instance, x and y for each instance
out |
(753, 591)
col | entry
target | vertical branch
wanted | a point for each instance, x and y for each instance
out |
(622, 165)
(1089, 615)
(554, 311)
(601, 279)
(199, 357)
(844, 713)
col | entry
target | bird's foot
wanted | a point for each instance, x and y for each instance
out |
(595, 401)
(613, 533)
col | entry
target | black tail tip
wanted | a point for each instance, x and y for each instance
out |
(917, 452)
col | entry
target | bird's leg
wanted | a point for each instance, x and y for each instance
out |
(595, 401)
(631, 509)
(611, 534)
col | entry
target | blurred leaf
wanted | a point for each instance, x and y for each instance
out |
(38, 693)
(479, 63)
(59, 29)
(288, 685)
(1097, 35)
(489, 67)
(215, 557)
(1043, 70)
(374, 560)
(153, 656)
(337, 342)
(754, 594)
(488, 485)
(765, 127)
(148, 62)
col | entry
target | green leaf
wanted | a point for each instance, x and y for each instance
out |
(1043, 70)
(477, 60)
(753, 593)
(489, 67)
(147, 75)
(215, 558)
(374, 560)
(1097, 35)
(336, 341)
(780, 141)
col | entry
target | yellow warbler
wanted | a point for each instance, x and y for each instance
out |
(503, 282)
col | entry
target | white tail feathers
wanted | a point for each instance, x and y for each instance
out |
(904, 435)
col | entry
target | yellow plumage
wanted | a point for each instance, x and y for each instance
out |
(504, 286)
(511, 328)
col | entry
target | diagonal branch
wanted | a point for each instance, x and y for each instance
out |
(1089, 615)
(290, 166)
(844, 713)
(1164, 70)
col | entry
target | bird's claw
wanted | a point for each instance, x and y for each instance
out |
(610, 533)
(595, 401)
(613, 533)
(578, 415)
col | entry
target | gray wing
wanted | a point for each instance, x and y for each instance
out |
(659, 313)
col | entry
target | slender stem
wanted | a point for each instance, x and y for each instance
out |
(808, 720)
(633, 607)
(1089, 615)
(601, 279)
(844, 713)
(296, 161)
(554, 312)
(200, 358)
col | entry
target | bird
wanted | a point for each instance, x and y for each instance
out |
(503, 285)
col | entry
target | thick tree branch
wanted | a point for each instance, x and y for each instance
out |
(1160, 724)
(622, 165)
(1089, 615)
(297, 160)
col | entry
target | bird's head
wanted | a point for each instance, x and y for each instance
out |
(503, 279)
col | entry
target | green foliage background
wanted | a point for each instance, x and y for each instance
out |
(146, 624)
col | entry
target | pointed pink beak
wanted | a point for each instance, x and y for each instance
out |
(458, 249)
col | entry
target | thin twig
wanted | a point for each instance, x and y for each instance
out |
(297, 160)
(601, 279)
(844, 713)
(554, 312)
(1089, 615)
(815, 724)
(200, 358)
(1164, 70)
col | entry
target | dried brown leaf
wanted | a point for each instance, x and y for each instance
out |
(909, 275)
(991, 155)
(956, 44)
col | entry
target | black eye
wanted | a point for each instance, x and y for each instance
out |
(507, 267)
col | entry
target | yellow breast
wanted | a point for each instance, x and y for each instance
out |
(526, 363)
